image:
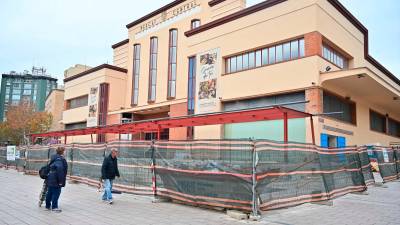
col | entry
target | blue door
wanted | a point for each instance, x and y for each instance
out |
(341, 143)
(324, 141)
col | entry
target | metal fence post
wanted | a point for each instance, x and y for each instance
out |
(153, 170)
(255, 207)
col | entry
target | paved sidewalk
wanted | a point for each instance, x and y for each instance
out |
(81, 205)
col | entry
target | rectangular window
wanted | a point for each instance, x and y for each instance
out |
(74, 126)
(339, 108)
(16, 97)
(394, 128)
(302, 48)
(334, 57)
(233, 65)
(286, 51)
(27, 92)
(279, 53)
(239, 63)
(272, 53)
(252, 60)
(266, 56)
(136, 73)
(191, 85)
(76, 102)
(245, 61)
(294, 49)
(377, 121)
(258, 58)
(173, 42)
(153, 69)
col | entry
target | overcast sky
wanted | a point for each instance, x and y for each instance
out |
(57, 34)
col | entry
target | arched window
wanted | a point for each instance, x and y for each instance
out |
(173, 42)
(195, 23)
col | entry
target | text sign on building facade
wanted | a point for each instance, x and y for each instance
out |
(92, 120)
(207, 82)
(11, 151)
(167, 18)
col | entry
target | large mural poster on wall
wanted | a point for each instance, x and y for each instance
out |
(92, 120)
(207, 82)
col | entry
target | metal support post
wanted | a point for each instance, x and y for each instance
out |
(255, 212)
(312, 130)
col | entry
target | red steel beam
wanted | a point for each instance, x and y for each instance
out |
(253, 115)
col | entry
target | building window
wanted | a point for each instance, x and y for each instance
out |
(136, 73)
(173, 40)
(334, 57)
(195, 23)
(265, 56)
(394, 128)
(339, 108)
(74, 126)
(377, 121)
(191, 85)
(191, 93)
(153, 69)
(77, 102)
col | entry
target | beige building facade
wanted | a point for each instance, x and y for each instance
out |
(55, 106)
(201, 56)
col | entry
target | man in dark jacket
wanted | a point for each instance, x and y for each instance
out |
(56, 179)
(109, 171)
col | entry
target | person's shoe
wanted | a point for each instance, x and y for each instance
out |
(47, 209)
(56, 210)
(110, 202)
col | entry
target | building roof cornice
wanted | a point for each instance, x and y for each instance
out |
(119, 44)
(92, 70)
(154, 13)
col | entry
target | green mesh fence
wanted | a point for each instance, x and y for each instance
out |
(385, 157)
(20, 161)
(292, 174)
(134, 162)
(366, 167)
(87, 160)
(396, 150)
(214, 173)
(36, 157)
(238, 174)
(3, 156)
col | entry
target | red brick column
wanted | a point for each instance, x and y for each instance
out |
(315, 96)
(313, 44)
(175, 111)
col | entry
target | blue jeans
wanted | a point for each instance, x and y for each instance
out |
(53, 193)
(107, 189)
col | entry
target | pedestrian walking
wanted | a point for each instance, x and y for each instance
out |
(109, 171)
(56, 179)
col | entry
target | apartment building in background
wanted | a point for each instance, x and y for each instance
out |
(199, 56)
(30, 87)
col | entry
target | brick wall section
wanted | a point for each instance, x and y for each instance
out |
(175, 111)
(313, 44)
(315, 96)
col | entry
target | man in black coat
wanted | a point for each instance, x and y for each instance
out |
(56, 179)
(109, 171)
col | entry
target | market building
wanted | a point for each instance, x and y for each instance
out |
(200, 56)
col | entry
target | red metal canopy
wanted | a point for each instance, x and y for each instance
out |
(251, 115)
